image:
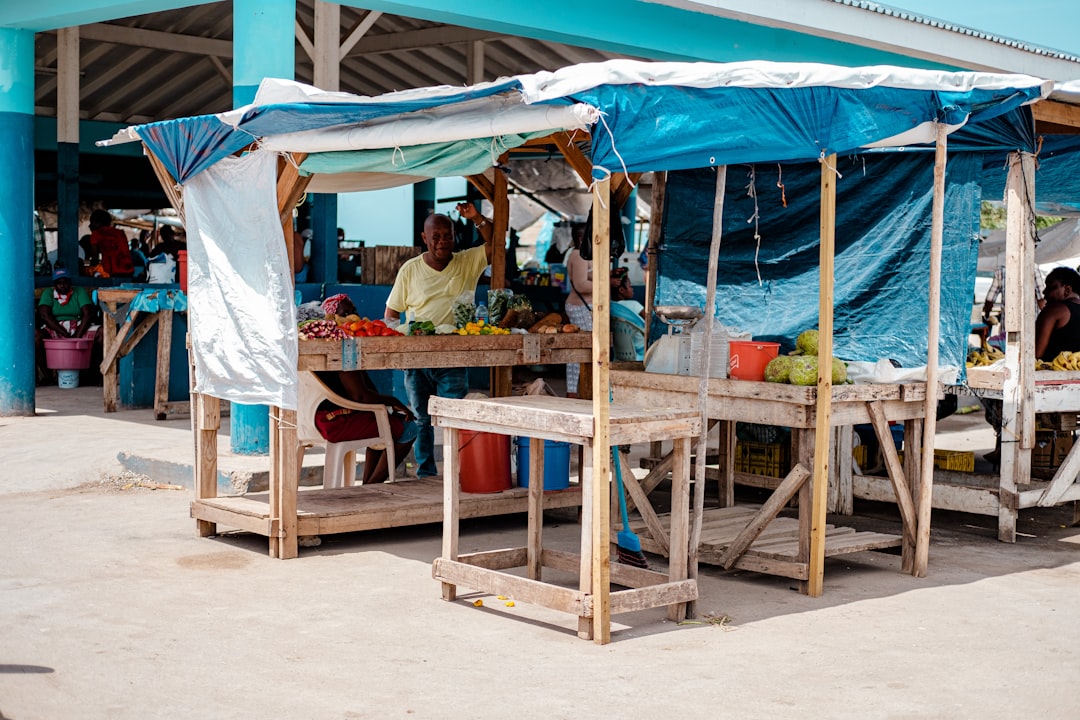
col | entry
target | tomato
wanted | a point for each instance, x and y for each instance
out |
(388, 332)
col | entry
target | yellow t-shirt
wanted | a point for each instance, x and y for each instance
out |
(422, 293)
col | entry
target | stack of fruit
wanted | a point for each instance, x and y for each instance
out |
(801, 366)
(979, 357)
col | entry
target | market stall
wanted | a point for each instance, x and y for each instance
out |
(640, 116)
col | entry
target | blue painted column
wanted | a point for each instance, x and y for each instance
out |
(263, 46)
(17, 222)
(324, 245)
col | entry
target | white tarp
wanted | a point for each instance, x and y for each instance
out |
(242, 317)
(481, 118)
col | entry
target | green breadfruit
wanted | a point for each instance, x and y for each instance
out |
(804, 369)
(839, 372)
(779, 369)
(807, 342)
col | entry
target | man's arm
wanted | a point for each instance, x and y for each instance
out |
(1050, 319)
(483, 225)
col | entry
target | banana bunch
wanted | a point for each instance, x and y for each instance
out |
(984, 356)
(1043, 365)
(1066, 360)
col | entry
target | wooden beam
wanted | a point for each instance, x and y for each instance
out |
(67, 85)
(474, 62)
(427, 38)
(168, 183)
(894, 468)
(580, 164)
(357, 31)
(1057, 113)
(326, 60)
(926, 481)
(305, 41)
(500, 223)
(656, 223)
(627, 185)
(703, 376)
(780, 497)
(155, 39)
(484, 186)
(818, 494)
(601, 448)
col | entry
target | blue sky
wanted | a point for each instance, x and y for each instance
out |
(1049, 23)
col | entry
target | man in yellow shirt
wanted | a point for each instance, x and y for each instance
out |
(425, 289)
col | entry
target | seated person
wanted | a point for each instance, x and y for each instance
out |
(66, 311)
(1057, 328)
(338, 424)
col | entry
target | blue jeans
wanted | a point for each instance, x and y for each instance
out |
(421, 384)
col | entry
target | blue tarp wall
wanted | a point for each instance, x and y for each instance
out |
(882, 252)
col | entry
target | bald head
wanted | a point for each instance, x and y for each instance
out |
(438, 237)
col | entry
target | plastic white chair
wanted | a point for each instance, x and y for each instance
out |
(627, 332)
(339, 467)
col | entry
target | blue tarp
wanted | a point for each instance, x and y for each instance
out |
(674, 128)
(882, 252)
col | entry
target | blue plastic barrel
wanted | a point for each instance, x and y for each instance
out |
(556, 463)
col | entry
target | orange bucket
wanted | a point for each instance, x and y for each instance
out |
(485, 461)
(747, 358)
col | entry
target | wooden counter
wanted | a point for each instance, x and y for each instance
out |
(568, 420)
(1013, 489)
(283, 514)
(122, 329)
(777, 551)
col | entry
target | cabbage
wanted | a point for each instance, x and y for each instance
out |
(779, 369)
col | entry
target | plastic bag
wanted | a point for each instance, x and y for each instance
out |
(464, 309)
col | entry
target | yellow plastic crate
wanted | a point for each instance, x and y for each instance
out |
(770, 459)
(958, 460)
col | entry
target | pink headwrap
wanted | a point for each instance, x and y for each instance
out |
(330, 304)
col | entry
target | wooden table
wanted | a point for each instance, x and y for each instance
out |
(759, 541)
(121, 336)
(283, 513)
(567, 420)
(1013, 488)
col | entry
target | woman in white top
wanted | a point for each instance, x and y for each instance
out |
(579, 301)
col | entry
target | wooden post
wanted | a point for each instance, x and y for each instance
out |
(164, 355)
(451, 500)
(819, 480)
(1018, 388)
(703, 382)
(110, 347)
(501, 378)
(601, 447)
(926, 482)
(206, 417)
(656, 225)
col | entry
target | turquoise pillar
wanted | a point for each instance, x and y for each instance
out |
(17, 222)
(263, 46)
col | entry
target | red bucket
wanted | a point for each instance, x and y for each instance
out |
(747, 358)
(181, 269)
(485, 462)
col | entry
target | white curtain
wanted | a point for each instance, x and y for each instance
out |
(241, 309)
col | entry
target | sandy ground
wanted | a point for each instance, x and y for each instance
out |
(111, 607)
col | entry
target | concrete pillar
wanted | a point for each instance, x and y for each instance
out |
(17, 222)
(67, 148)
(324, 239)
(264, 44)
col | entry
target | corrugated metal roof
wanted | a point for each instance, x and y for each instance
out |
(959, 29)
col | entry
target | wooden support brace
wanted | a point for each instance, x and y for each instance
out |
(576, 159)
(894, 468)
(484, 186)
(776, 502)
(644, 507)
(1063, 478)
